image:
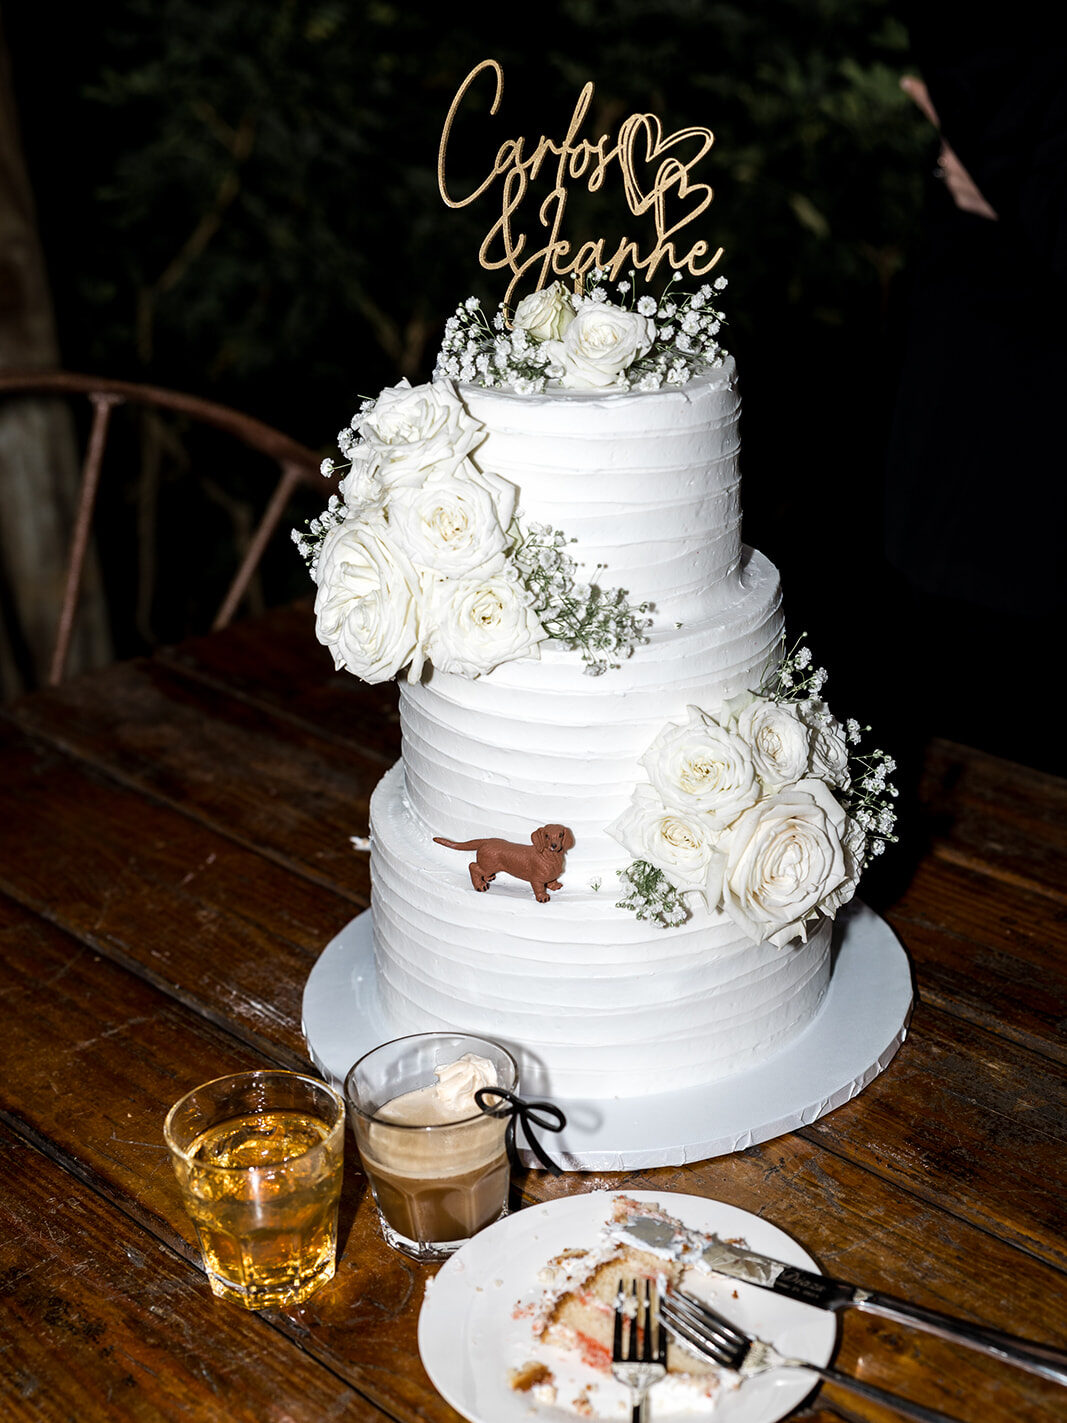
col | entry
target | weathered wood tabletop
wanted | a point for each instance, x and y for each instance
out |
(174, 853)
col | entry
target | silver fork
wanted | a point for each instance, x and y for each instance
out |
(705, 1332)
(642, 1362)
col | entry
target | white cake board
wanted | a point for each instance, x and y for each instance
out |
(861, 1024)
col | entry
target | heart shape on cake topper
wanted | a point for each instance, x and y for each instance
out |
(671, 172)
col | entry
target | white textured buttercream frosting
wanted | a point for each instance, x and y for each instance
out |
(647, 485)
(593, 1001)
(538, 743)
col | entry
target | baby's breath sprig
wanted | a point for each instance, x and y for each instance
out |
(869, 799)
(869, 795)
(476, 351)
(793, 678)
(597, 622)
(308, 544)
(650, 895)
(336, 512)
(497, 354)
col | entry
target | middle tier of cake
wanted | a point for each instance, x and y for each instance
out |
(539, 742)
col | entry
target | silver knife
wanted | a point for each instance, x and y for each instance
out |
(720, 1257)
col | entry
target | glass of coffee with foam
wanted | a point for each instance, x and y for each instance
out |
(437, 1164)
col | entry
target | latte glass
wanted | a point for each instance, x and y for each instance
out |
(436, 1183)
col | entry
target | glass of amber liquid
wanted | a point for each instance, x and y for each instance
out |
(437, 1164)
(259, 1157)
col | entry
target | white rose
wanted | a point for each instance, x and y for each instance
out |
(546, 314)
(453, 526)
(702, 767)
(680, 845)
(732, 707)
(784, 860)
(361, 489)
(780, 741)
(476, 623)
(413, 432)
(600, 343)
(854, 844)
(829, 748)
(366, 608)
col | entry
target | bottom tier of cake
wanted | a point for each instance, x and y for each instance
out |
(594, 1002)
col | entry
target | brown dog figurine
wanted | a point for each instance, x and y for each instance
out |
(540, 862)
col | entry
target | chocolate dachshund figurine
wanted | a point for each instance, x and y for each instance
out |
(540, 862)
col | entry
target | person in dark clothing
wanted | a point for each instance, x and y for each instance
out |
(976, 467)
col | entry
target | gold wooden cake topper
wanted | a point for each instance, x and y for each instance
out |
(650, 172)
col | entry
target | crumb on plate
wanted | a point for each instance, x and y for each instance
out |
(529, 1375)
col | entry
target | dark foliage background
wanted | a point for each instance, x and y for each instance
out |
(239, 199)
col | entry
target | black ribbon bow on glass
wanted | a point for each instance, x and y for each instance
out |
(515, 1108)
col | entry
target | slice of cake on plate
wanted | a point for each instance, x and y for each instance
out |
(571, 1313)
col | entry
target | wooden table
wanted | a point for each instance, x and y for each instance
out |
(174, 854)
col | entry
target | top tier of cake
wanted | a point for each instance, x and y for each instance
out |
(646, 484)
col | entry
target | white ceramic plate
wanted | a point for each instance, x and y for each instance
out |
(469, 1337)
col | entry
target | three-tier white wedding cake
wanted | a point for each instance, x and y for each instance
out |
(716, 817)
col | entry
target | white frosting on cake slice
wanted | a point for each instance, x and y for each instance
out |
(571, 1312)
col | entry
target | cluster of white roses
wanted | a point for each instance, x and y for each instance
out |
(420, 556)
(584, 341)
(410, 556)
(748, 811)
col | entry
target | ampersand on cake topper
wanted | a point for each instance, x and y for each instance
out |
(653, 166)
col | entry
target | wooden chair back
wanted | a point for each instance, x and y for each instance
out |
(296, 465)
